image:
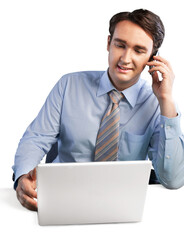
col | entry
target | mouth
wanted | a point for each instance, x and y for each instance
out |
(123, 69)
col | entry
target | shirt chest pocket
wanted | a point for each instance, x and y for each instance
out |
(132, 146)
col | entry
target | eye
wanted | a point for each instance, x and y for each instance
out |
(118, 45)
(139, 51)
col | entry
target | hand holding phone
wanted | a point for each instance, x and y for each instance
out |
(152, 66)
(162, 88)
(162, 85)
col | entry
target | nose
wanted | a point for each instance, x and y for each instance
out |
(126, 57)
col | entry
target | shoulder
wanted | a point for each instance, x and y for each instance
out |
(80, 79)
(83, 75)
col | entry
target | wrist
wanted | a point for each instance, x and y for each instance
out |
(165, 98)
(167, 107)
(17, 181)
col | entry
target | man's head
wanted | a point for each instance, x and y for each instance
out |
(134, 38)
(147, 20)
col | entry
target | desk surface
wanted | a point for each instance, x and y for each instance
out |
(163, 219)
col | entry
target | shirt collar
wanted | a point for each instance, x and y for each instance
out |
(131, 94)
(105, 85)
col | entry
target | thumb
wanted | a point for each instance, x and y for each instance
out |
(33, 174)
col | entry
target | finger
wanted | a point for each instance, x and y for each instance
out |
(32, 177)
(29, 190)
(163, 60)
(27, 185)
(26, 201)
(157, 63)
(33, 174)
(155, 77)
(30, 204)
(160, 59)
(161, 69)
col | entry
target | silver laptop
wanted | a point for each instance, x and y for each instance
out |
(92, 192)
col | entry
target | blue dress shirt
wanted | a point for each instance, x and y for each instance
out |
(72, 114)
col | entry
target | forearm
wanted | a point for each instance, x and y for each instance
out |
(167, 107)
(40, 134)
(170, 155)
(27, 157)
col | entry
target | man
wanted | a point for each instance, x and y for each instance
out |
(76, 111)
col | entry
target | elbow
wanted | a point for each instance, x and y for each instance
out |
(172, 184)
(173, 179)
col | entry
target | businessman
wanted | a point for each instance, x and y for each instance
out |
(112, 115)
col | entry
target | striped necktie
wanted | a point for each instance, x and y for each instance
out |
(108, 134)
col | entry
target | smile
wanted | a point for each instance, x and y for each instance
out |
(124, 69)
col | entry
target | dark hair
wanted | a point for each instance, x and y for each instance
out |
(147, 20)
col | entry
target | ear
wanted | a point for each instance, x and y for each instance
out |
(108, 42)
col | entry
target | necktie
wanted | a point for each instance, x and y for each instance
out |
(108, 134)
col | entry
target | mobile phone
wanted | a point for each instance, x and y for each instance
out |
(151, 59)
(158, 73)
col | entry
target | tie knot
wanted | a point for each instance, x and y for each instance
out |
(115, 96)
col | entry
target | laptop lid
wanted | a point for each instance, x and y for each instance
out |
(91, 192)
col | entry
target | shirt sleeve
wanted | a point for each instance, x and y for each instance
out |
(40, 134)
(167, 152)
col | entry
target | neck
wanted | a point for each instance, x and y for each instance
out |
(122, 85)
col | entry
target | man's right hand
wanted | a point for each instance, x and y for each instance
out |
(26, 190)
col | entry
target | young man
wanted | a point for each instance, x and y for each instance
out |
(92, 122)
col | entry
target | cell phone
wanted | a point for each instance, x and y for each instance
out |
(151, 59)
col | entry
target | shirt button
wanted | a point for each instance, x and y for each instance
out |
(161, 125)
(167, 156)
(168, 127)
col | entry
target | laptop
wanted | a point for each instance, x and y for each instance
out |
(91, 192)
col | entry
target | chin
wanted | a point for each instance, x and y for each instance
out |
(124, 78)
(124, 82)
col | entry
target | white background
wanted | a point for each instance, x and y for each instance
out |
(42, 40)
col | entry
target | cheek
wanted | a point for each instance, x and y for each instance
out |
(113, 57)
(110, 58)
(141, 63)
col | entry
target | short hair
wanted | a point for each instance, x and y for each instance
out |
(147, 20)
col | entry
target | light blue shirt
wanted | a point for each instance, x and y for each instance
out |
(72, 114)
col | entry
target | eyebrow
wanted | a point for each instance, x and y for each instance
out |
(125, 42)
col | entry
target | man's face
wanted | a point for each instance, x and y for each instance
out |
(129, 51)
